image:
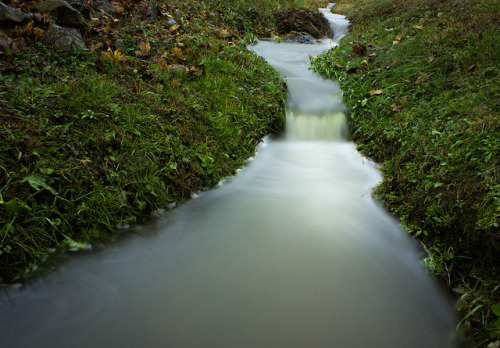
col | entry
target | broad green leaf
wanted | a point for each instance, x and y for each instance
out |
(39, 183)
(496, 309)
(15, 206)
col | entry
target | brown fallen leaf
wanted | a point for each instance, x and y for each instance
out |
(144, 49)
(178, 53)
(399, 37)
(175, 82)
(376, 92)
(359, 48)
(430, 59)
(396, 107)
(422, 77)
(354, 71)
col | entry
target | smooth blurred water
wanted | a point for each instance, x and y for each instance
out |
(292, 252)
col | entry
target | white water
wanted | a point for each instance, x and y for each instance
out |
(292, 252)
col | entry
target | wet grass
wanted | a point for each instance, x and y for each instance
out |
(421, 80)
(151, 112)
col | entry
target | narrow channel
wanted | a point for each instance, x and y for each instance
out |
(291, 252)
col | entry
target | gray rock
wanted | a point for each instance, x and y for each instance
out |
(120, 44)
(10, 17)
(63, 39)
(105, 6)
(64, 14)
(171, 22)
(84, 9)
(298, 37)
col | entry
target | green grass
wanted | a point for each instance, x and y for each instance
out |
(425, 104)
(94, 139)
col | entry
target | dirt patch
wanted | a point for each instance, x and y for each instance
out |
(301, 20)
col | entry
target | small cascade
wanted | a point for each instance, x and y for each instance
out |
(330, 126)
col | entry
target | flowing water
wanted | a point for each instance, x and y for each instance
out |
(292, 252)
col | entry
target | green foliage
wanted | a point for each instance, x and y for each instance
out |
(421, 81)
(99, 138)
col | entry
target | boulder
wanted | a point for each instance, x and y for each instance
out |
(63, 39)
(64, 14)
(302, 20)
(84, 9)
(10, 17)
(104, 6)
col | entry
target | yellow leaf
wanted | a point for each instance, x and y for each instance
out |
(115, 57)
(38, 33)
(178, 53)
(396, 107)
(144, 49)
(174, 27)
(376, 92)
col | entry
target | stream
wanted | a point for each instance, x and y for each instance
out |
(291, 252)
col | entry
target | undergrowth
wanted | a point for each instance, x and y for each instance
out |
(421, 80)
(150, 112)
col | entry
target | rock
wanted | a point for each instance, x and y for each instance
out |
(63, 39)
(302, 20)
(10, 17)
(64, 14)
(120, 44)
(171, 22)
(299, 38)
(84, 9)
(104, 6)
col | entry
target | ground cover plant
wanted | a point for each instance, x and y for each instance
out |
(421, 80)
(164, 101)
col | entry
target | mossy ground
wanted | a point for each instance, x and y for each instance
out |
(421, 80)
(151, 112)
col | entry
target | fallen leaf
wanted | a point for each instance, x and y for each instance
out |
(396, 107)
(144, 49)
(178, 53)
(359, 48)
(376, 92)
(418, 27)
(430, 59)
(174, 27)
(399, 37)
(175, 82)
(364, 64)
(354, 71)
(422, 77)
(396, 42)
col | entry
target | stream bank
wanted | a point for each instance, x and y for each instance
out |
(421, 81)
(162, 102)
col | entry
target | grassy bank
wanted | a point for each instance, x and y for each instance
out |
(158, 106)
(421, 80)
